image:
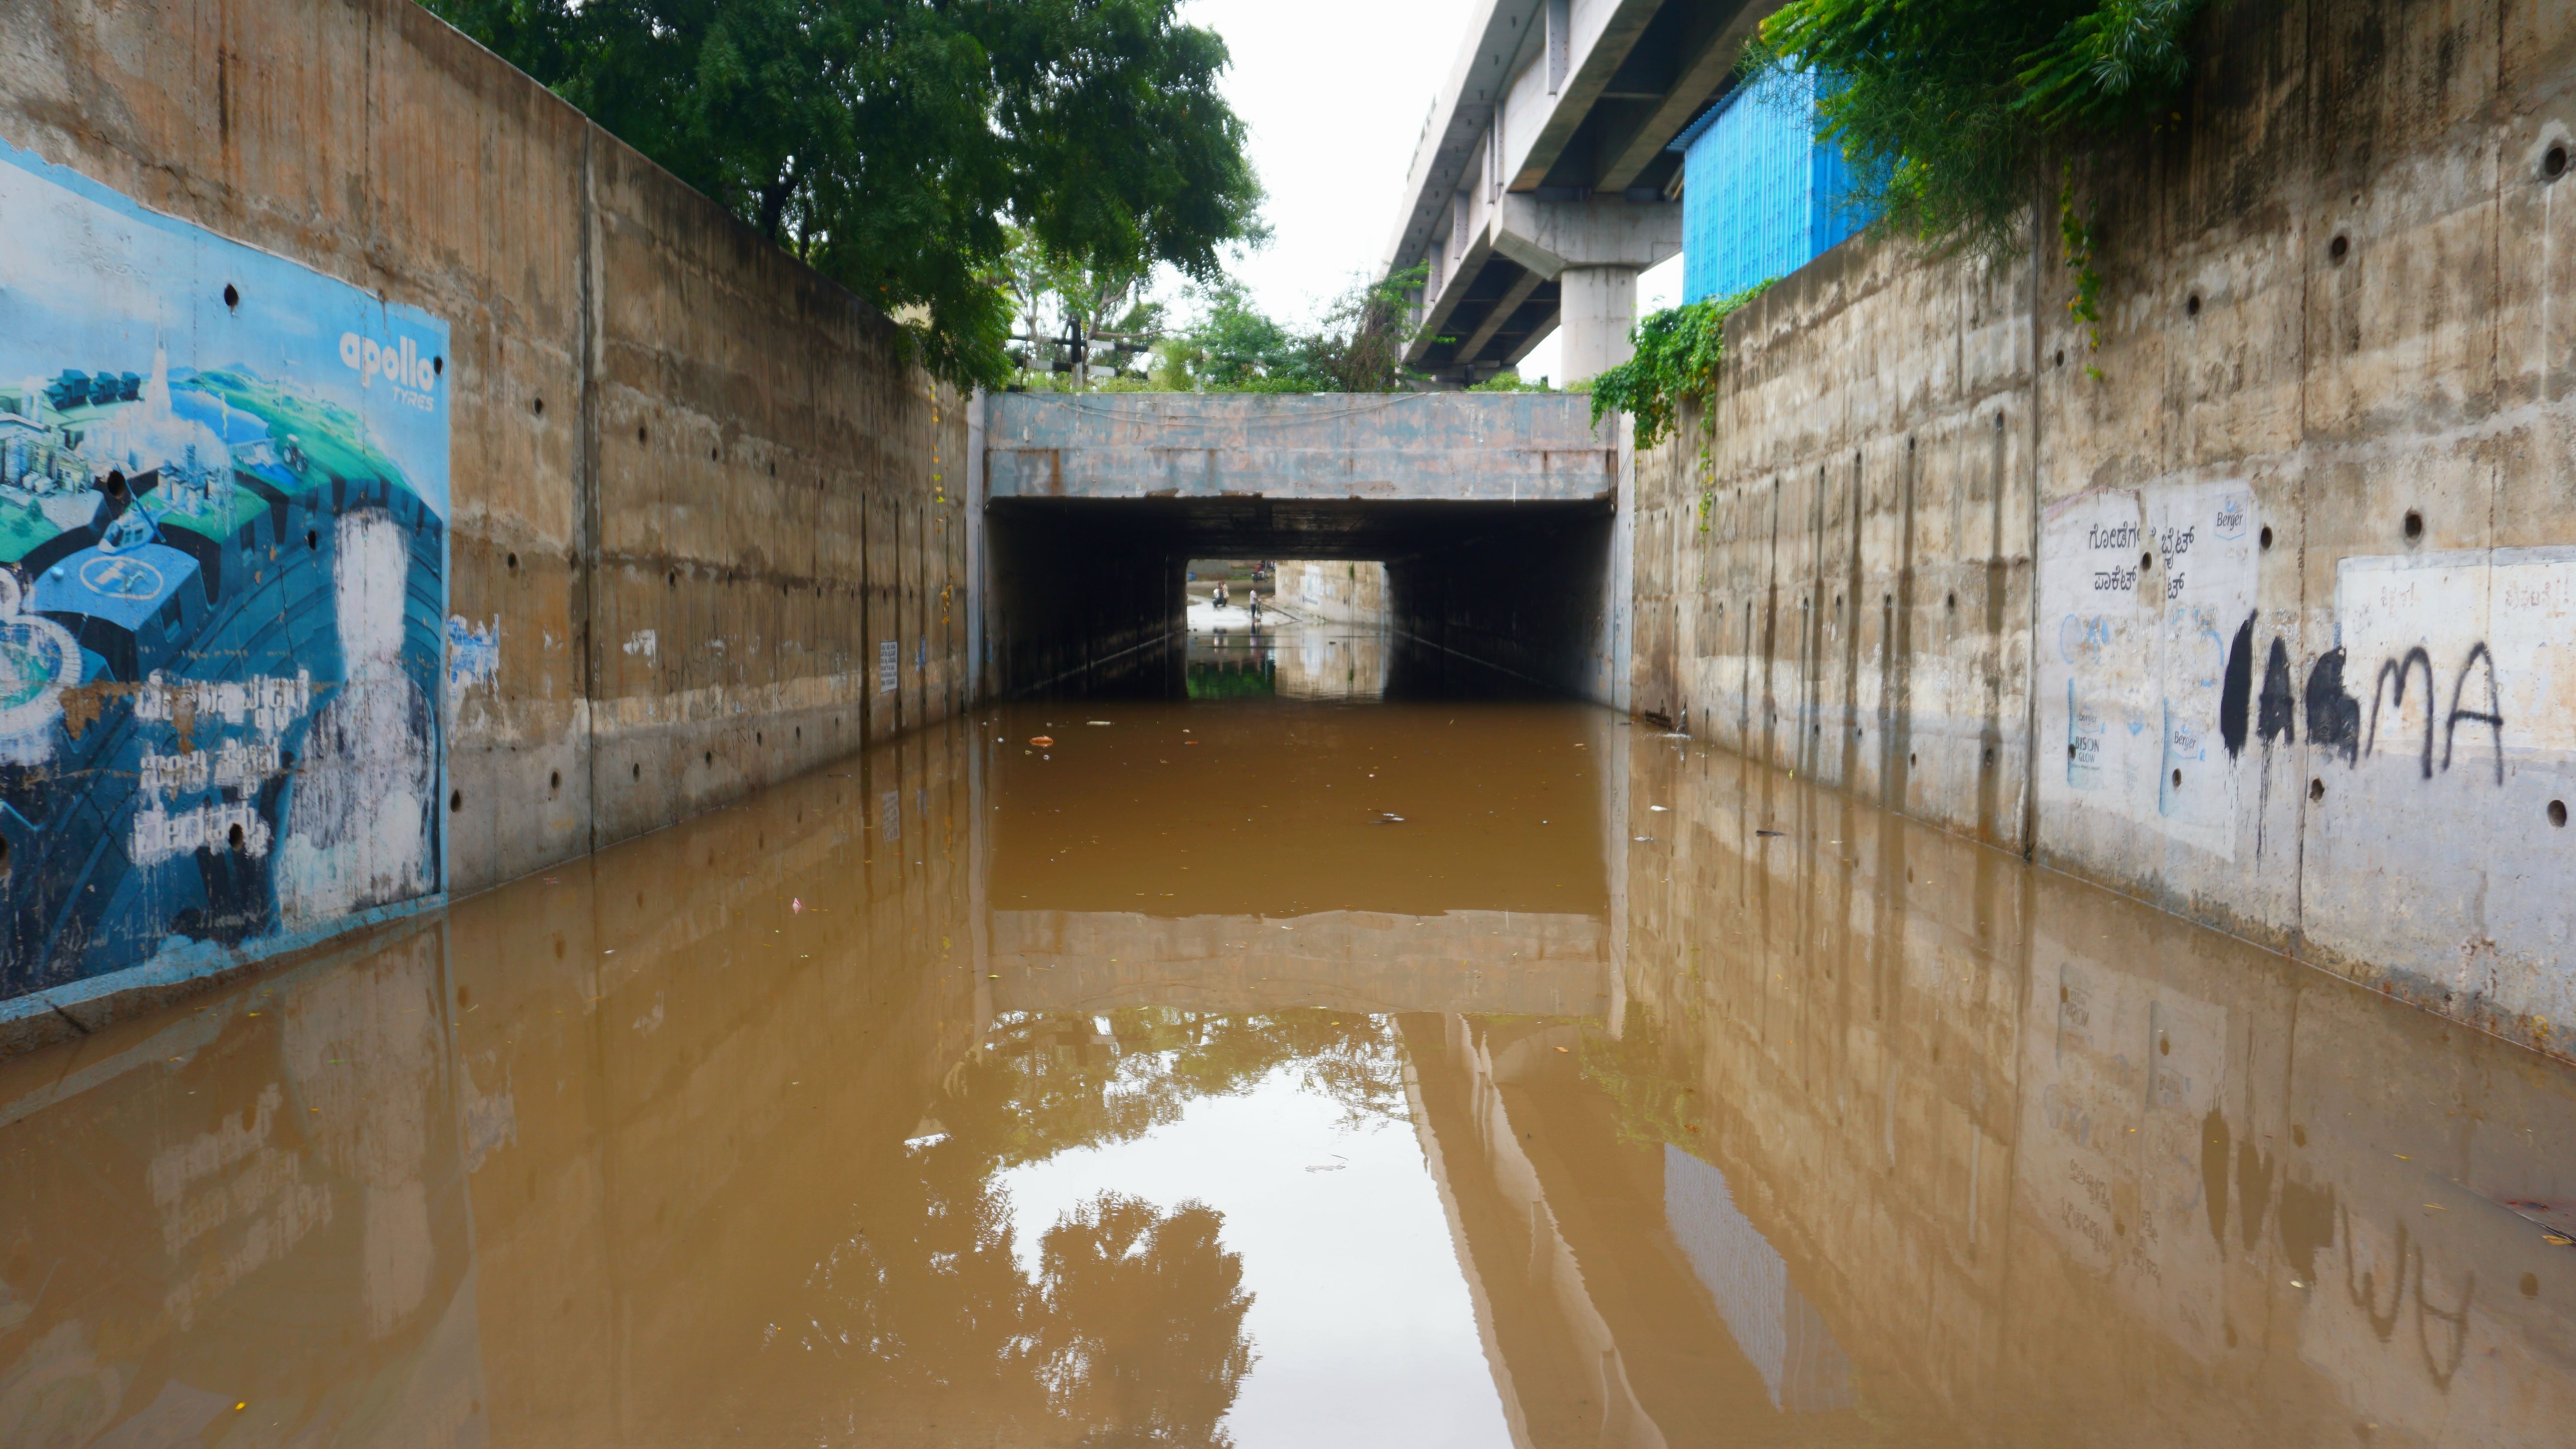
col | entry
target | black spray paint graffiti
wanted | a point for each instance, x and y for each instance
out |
(2335, 717)
(2276, 710)
(2395, 672)
(2239, 685)
(2492, 716)
(2390, 685)
(2278, 703)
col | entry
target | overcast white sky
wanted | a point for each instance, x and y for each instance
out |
(1334, 92)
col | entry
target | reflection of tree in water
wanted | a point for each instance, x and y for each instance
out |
(1647, 1071)
(1141, 1338)
(1131, 1330)
(1047, 1083)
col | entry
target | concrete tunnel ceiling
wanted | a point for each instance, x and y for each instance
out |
(1391, 532)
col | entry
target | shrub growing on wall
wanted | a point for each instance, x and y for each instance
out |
(1678, 350)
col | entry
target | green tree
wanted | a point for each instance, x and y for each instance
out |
(1361, 346)
(1236, 347)
(1052, 296)
(891, 143)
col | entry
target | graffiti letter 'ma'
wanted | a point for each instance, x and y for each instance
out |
(2396, 670)
(2335, 718)
(2492, 716)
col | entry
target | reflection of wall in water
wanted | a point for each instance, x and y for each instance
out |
(1336, 663)
(690, 1046)
(1773, 1323)
(1520, 962)
(220, 1229)
(2100, 1146)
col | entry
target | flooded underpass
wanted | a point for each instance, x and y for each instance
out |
(1268, 1070)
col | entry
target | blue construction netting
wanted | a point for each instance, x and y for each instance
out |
(1761, 196)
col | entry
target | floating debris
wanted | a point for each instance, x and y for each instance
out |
(2557, 1220)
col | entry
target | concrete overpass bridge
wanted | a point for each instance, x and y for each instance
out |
(1496, 514)
(1543, 181)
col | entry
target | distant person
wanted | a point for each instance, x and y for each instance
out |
(1252, 600)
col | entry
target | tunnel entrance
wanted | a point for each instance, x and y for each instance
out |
(1360, 599)
(1483, 523)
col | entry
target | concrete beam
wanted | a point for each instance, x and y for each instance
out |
(1387, 447)
(1441, 302)
(1717, 40)
(1550, 236)
(1446, 150)
(1500, 313)
(1603, 37)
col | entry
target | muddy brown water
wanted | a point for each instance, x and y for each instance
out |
(1268, 1073)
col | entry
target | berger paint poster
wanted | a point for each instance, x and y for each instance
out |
(223, 561)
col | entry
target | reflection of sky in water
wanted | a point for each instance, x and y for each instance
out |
(1360, 1319)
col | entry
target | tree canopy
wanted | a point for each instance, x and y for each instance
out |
(1951, 110)
(1228, 343)
(895, 144)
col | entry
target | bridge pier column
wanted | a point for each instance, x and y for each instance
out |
(1594, 250)
(1599, 307)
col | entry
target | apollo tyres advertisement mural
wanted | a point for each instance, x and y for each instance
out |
(223, 546)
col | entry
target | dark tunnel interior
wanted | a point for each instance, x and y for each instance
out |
(1485, 599)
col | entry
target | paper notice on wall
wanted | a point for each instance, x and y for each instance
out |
(2144, 600)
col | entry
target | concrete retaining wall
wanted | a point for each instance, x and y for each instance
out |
(2268, 623)
(705, 528)
(1333, 591)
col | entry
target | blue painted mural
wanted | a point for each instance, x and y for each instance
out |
(223, 565)
(1761, 196)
